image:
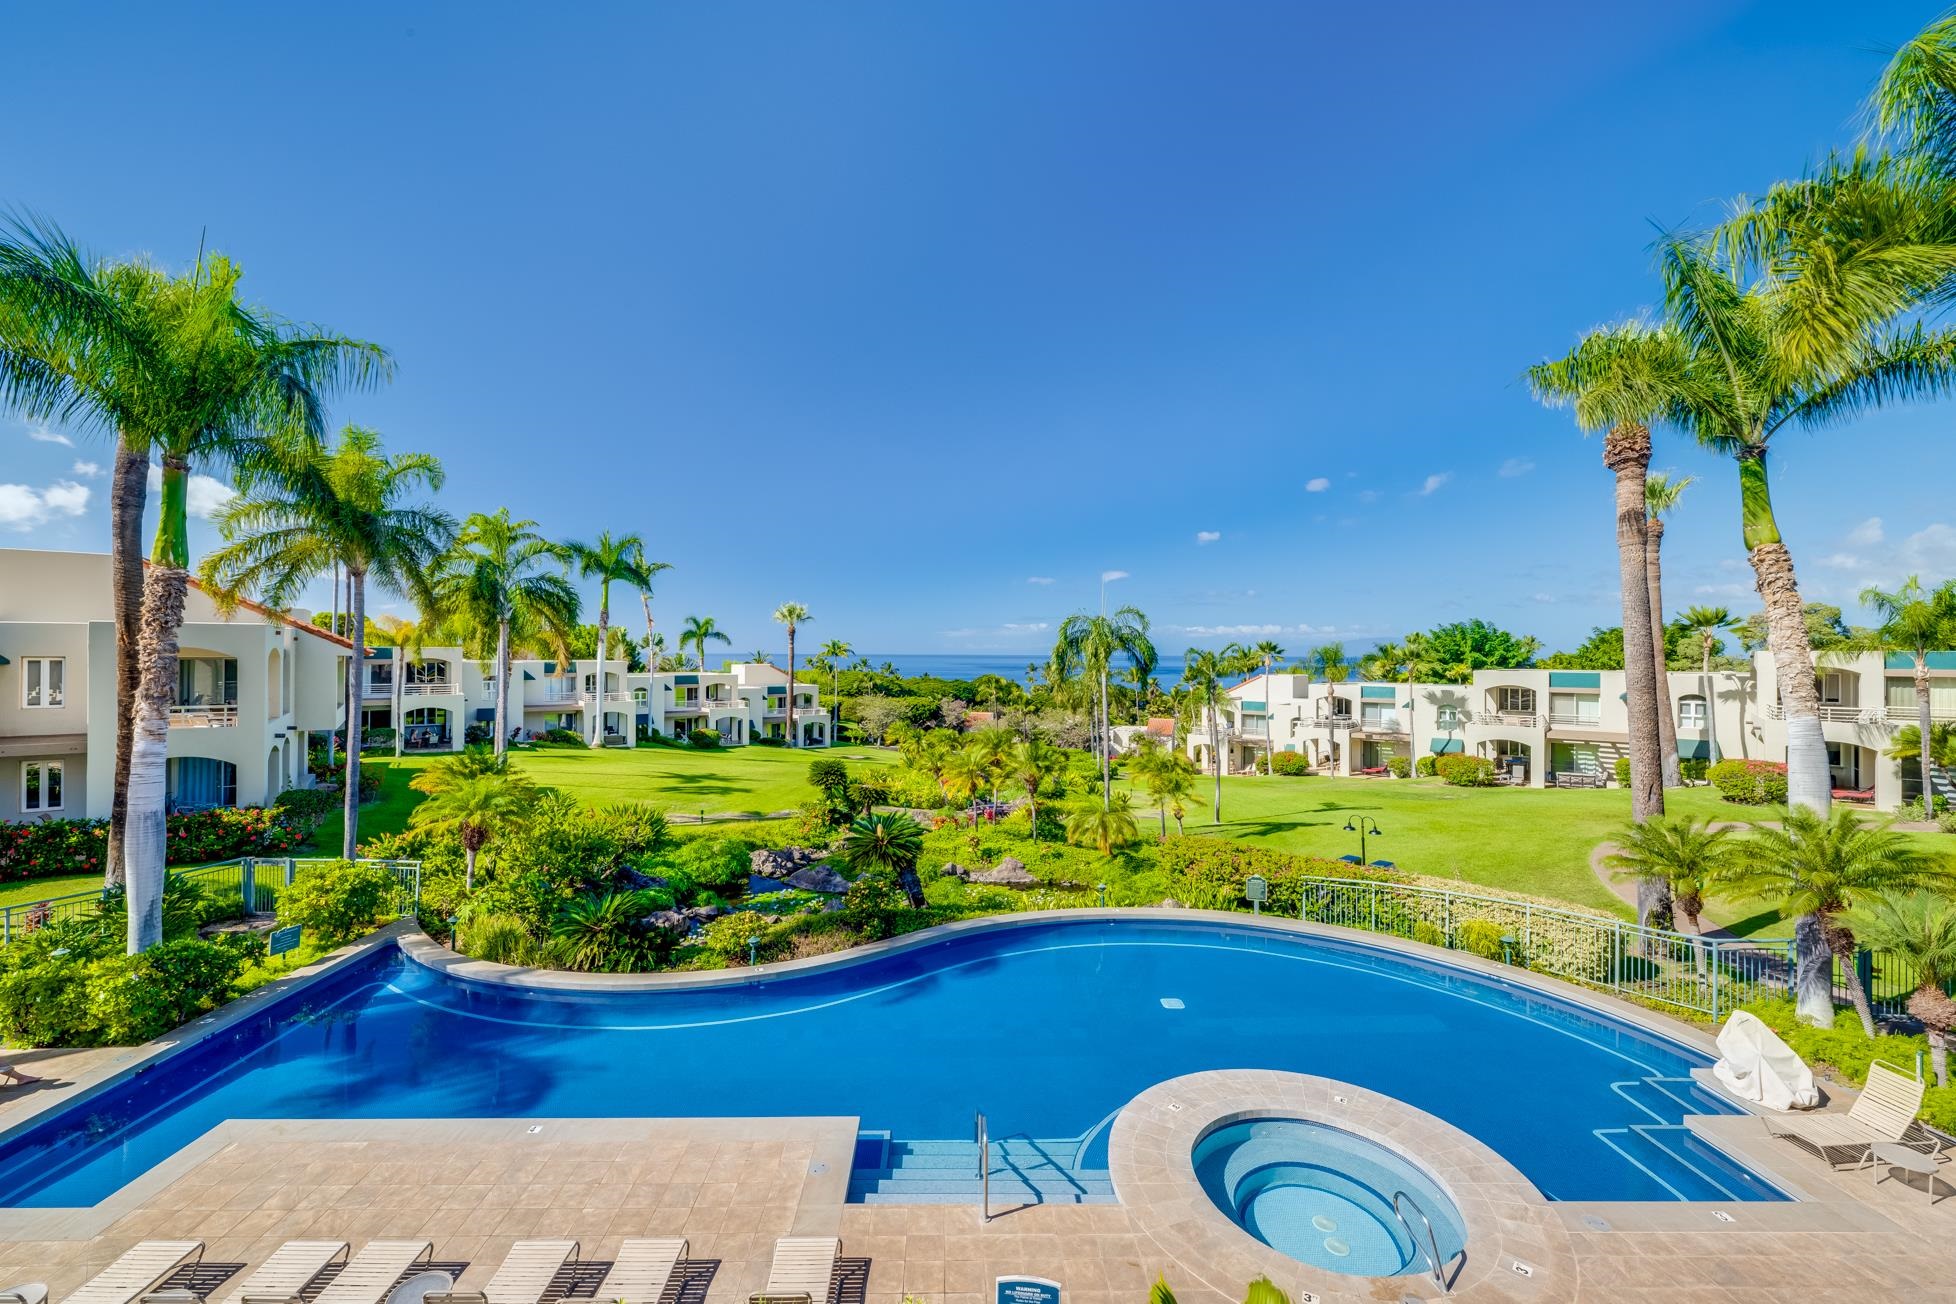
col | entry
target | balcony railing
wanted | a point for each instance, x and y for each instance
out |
(1561, 720)
(431, 690)
(1518, 719)
(1382, 724)
(1334, 722)
(554, 698)
(1837, 714)
(1910, 714)
(218, 715)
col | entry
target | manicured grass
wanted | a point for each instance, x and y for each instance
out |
(26, 893)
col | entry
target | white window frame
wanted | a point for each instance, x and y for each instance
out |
(46, 768)
(1446, 716)
(1515, 701)
(1690, 707)
(42, 665)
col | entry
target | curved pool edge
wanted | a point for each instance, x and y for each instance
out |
(432, 955)
(1150, 1157)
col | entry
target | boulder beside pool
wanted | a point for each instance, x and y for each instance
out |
(818, 878)
(1010, 872)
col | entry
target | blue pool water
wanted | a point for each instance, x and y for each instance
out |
(1049, 1028)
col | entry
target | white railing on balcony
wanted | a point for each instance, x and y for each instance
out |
(556, 699)
(431, 690)
(1390, 723)
(1910, 714)
(208, 716)
(619, 699)
(1334, 722)
(1518, 719)
(1562, 720)
(1837, 714)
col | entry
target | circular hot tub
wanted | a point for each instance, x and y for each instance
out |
(1326, 1196)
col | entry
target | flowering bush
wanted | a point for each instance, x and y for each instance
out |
(50, 847)
(1750, 783)
(1464, 771)
(1291, 763)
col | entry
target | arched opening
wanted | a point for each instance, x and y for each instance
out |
(274, 775)
(1514, 760)
(275, 684)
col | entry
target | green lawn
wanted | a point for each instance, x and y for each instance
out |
(40, 889)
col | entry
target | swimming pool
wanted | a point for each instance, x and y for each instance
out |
(1048, 1026)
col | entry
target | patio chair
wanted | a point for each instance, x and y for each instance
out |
(644, 1269)
(140, 1270)
(526, 1272)
(1884, 1111)
(290, 1269)
(13, 1077)
(802, 1270)
(28, 1292)
(369, 1275)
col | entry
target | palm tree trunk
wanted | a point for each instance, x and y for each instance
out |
(468, 867)
(1667, 725)
(1106, 796)
(1808, 783)
(913, 887)
(1711, 702)
(332, 733)
(1215, 752)
(794, 726)
(399, 704)
(1626, 452)
(502, 686)
(127, 490)
(1813, 973)
(146, 839)
(356, 606)
(604, 632)
(645, 600)
(1939, 1053)
(1857, 991)
(1924, 765)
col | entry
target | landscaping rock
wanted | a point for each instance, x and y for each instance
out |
(818, 878)
(1170, 903)
(780, 864)
(954, 870)
(1010, 872)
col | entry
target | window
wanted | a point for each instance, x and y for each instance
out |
(1691, 713)
(41, 681)
(1446, 716)
(1836, 689)
(638, 696)
(1580, 708)
(40, 786)
(1520, 700)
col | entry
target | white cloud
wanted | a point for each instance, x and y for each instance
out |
(1207, 536)
(206, 494)
(1316, 485)
(1039, 579)
(1842, 561)
(1008, 630)
(1434, 481)
(1108, 577)
(23, 507)
(42, 435)
(1867, 534)
(1515, 466)
(1548, 600)
(1723, 590)
(1931, 551)
(1266, 631)
(1368, 495)
(88, 470)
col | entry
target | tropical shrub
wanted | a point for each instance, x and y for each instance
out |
(338, 900)
(1429, 934)
(704, 739)
(50, 847)
(1479, 937)
(716, 863)
(309, 804)
(85, 998)
(1750, 783)
(1463, 771)
(1427, 766)
(1947, 821)
(333, 777)
(1916, 810)
(566, 736)
(1623, 771)
(498, 939)
(1290, 763)
(604, 933)
(1693, 768)
(1399, 767)
(1211, 875)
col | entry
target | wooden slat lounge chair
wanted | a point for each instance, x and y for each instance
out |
(137, 1272)
(286, 1274)
(643, 1270)
(369, 1275)
(526, 1272)
(802, 1271)
(1884, 1111)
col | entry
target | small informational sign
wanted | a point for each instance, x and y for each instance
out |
(285, 939)
(1258, 891)
(1027, 1290)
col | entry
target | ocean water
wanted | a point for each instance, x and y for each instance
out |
(970, 665)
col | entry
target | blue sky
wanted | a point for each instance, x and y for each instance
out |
(1231, 298)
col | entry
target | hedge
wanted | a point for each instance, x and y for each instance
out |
(1463, 771)
(50, 847)
(1750, 783)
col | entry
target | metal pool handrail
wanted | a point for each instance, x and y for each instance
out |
(984, 1170)
(1432, 1247)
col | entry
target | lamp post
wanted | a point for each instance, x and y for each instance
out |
(1360, 827)
(1103, 895)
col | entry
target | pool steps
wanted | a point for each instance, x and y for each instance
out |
(1673, 1156)
(1023, 1171)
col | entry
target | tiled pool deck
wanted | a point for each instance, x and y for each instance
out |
(732, 1186)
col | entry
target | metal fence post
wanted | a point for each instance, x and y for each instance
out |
(248, 886)
(1616, 958)
(1713, 954)
(289, 871)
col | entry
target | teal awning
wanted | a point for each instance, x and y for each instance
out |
(777, 690)
(4, 661)
(1251, 706)
(1441, 746)
(1575, 679)
(1698, 749)
(550, 667)
(1937, 661)
(1375, 692)
(381, 653)
(685, 679)
(528, 677)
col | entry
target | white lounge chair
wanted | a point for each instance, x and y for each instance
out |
(643, 1270)
(803, 1270)
(370, 1275)
(286, 1274)
(1884, 1111)
(137, 1272)
(28, 1292)
(526, 1272)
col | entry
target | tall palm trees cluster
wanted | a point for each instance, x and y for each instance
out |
(1806, 308)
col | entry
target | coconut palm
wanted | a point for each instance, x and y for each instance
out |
(650, 570)
(963, 775)
(1816, 867)
(1759, 368)
(792, 615)
(1030, 764)
(1168, 777)
(1269, 653)
(1328, 662)
(1907, 745)
(1085, 648)
(1205, 671)
(475, 805)
(1622, 379)
(1109, 827)
(886, 844)
(1917, 621)
(1919, 931)
(835, 652)
(1686, 854)
(1661, 494)
(992, 746)
(504, 582)
(310, 506)
(699, 631)
(1706, 623)
(406, 638)
(609, 557)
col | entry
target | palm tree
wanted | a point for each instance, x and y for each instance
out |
(1109, 827)
(311, 506)
(407, 638)
(1816, 867)
(610, 557)
(1687, 855)
(886, 844)
(1759, 367)
(503, 576)
(1919, 930)
(835, 652)
(1329, 663)
(792, 615)
(1622, 379)
(1168, 777)
(170, 365)
(650, 570)
(1204, 672)
(1661, 494)
(1030, 764)
(1269, 653)
(699, 631)
(1706, 622)
(1085, 648)
(963, 775)
(1917, 621)
(476, 806)
(1907, 746)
